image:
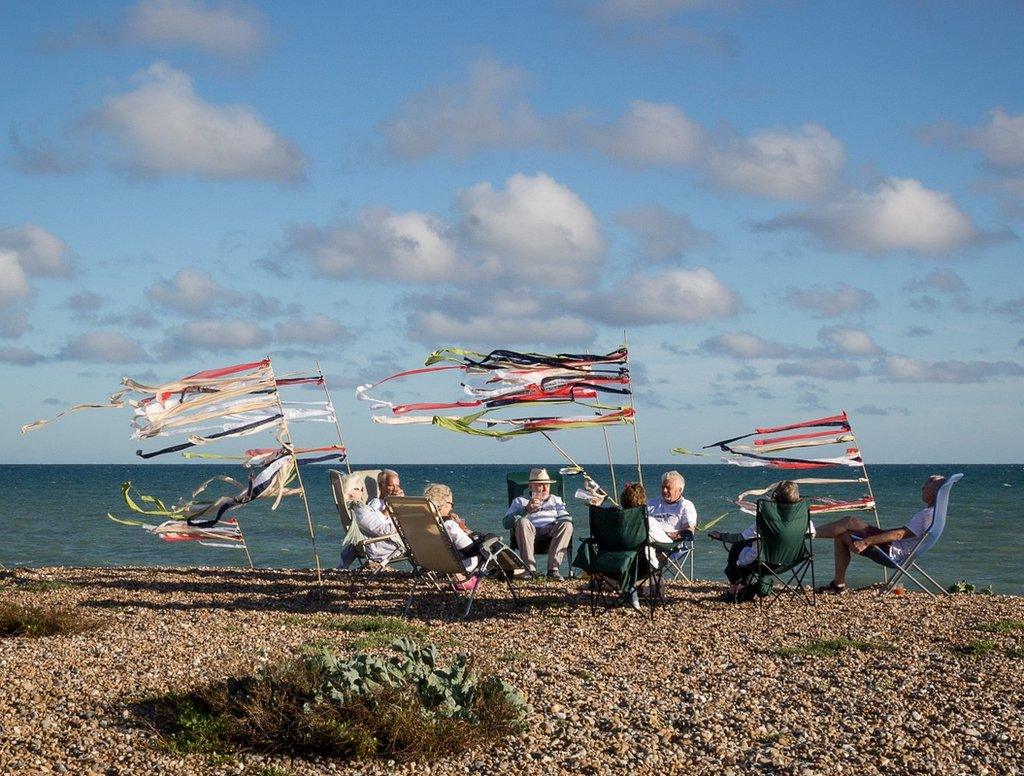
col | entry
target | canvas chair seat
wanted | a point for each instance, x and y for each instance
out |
(784, 555)
(435, 557)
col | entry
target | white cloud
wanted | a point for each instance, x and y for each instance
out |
(831, 303)
(776, 164)
(519, 318)
(403, 247)
(744, 345)
(484, 113)
(218, 334)
(1001, 140)
(13, 280)
(532, 225)
(20, 356)
(849, 342)
(903, 369)
(820, 369)
(39, 253)
(901, 215)
(228, 29)
(104, 347)
(192, 291)
(673, 296)
(944, 280)
(652, 133)
(84, 302)
(317, 328)
(166, 129)
(661, 234)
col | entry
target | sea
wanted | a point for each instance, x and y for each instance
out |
(57, 515)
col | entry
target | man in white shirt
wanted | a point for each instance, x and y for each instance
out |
(853, 535)
(540, 514)
(675, 514)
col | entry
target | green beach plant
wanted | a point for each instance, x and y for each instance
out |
(977, 647)
(833, 647)
(968, 588)
(34, 621)
(1001, 626)
(406, 705)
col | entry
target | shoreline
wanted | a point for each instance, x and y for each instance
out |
(703, 688)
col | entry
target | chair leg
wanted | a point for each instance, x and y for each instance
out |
(412, 592)
(927, 576)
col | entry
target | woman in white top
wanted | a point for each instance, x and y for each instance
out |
(468, 544)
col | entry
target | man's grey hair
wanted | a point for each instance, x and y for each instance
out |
(674, 475)
(382, 478)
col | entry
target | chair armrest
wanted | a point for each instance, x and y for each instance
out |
(385, 538)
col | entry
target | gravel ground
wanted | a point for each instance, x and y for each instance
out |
(701, 689)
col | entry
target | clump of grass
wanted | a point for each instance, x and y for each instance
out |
(407, 707)
(1016, 651)
(42, 586)
(378, 630)
(1001, 626)
(832, 647)
(36, 621)
(969, 588)
(977, 647)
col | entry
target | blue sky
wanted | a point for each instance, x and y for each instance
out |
(791, 207)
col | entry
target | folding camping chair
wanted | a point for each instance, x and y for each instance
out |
(676, 560)
(436, 559)
(924, 543)
(517, 484)
(354, 540)
(616, 553)
(783, 548)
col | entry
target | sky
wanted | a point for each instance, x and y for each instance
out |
(786, 208)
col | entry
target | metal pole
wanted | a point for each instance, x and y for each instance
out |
(632, 406)
(330, 403)
(298, 474)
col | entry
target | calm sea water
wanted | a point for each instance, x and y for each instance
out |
(56, 515)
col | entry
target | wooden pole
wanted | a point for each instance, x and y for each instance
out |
(611, 466)
(871, 492)
(632, 406)
(298, 474)
(330, 403)
(568, 457)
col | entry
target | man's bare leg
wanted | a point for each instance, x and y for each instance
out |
(842, 525)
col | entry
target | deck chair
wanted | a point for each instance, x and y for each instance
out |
(924, 543)
(678, 558)
(354, 540)
(435, 558)
(517, 484)
(784, 552)
(615, 555)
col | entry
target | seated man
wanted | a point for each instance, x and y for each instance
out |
(676, 515)
(743, 553)
(374, 517)
(851, 534)
(540, 514)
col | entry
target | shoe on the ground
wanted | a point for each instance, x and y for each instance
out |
(556, 575)
(469, 584)
(832, 588)
(633, 598)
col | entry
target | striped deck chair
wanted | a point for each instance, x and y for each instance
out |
(925, 542)
(435, 558)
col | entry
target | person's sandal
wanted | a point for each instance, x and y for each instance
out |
(833, 589)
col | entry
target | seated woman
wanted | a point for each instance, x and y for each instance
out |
(369, 522)
(635, 495)
(471, 546)
(743, 553)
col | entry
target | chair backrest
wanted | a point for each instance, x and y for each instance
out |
(519, 482)
(424, 535)
(938, 516)
(340, 482)
(616, 529)
(782, 530)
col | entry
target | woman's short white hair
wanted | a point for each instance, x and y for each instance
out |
(349, 483)
(437, 494)
(674, 475)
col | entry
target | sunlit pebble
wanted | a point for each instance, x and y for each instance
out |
(700, 688)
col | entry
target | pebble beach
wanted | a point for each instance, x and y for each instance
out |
(705, 687)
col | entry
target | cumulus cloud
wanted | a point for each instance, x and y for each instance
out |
(839, 300)
(104, 347)
(213, 335)
(13, 320)
(651, 25)
(672, 296)
(744, 345)
(799, 165)
(20, 356)
(872, 409)
(37, 155)
(318, 328)
(191, 291)
(164, 128)
(821, 369)
(233, 29)
(943, 280)
(901, 215)
(661, 234)
(39, 253)
(521, 318)
(84, 302)
(1012, 309)
(652, 133)
(486, 112)
(848, 342)
(904, 369)
(13, 280)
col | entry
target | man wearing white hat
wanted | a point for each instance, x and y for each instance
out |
(540, 514)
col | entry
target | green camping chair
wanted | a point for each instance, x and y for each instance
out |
(615, 555)
(517, 484)
(784, 552)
